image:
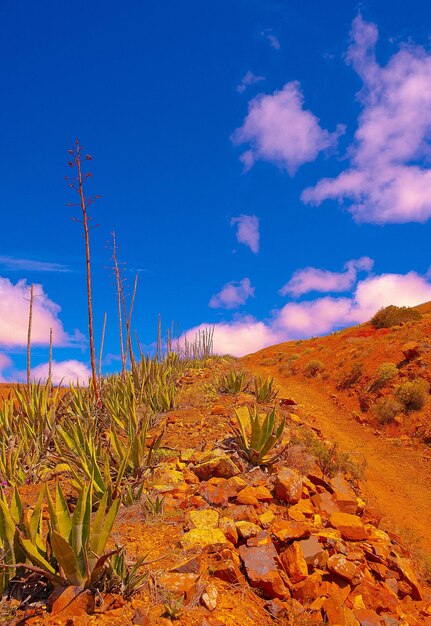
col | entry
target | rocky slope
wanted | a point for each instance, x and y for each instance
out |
(232, 544)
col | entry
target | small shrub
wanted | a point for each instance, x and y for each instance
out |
(385, 372)
(394, 315)
(313, 368)
(348, 379)
(294, 357)
(412, 394)
(387, 409)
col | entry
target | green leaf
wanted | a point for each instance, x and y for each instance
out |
(66, 559)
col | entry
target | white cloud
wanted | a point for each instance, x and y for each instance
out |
(247, 231)
(248, 79)
(279, 130)
(29, 265)
(300, 320)
(388, 180)
(274, 42)
(314, 279)
(14, 311)
(63, 372)
(232, 295)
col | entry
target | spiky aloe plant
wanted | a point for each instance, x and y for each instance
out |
(257, 437)
(264, 389)
(73, 553)
(233, 382)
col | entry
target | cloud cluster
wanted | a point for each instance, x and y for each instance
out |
(279, 129)
(315, 317)
(14, 310)
(313, 279)
(248, 79)
(247, 231)
(388, 180)
(232, 295)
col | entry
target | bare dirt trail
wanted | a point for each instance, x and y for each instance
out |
(397, 480)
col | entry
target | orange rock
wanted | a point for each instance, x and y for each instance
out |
(288, 486)
(287, 530)
(408, 574)
(338, 564)
(254, 495)
(294, 562)
(218, 409)
(308, 590)
(344, 495)
(339, 615)
(350, 526)
(228, 528)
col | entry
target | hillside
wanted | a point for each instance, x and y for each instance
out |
(226, 542)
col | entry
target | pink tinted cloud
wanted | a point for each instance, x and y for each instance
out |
(247, 231)
(232, 295)
(300, 320)
(14, 310)
(248, 79)
(388, 180)
(314, 279)
(239, 337)
(5, 364)
(63, 372)
(279, 129)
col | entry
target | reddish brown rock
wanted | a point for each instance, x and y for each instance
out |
(411, 350)
(350, 526)
(228, 528)
(294, 563)
(71, 602)
(216, 494)
(344, 495)
(288, 486)
(261, 565)
(325, 502)
(229, 572)
(313, 551)
(349, 570)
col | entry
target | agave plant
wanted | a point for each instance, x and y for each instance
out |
(264, 389)
(73, 553)
(258, 434)
(233, 382)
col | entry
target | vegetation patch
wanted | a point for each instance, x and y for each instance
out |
(393, 315)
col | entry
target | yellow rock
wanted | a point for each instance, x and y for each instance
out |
(204, 518)
(358, 603)
(210, 540)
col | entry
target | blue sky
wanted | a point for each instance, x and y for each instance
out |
(206, 120)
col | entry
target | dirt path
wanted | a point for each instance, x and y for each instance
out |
(397, 480)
